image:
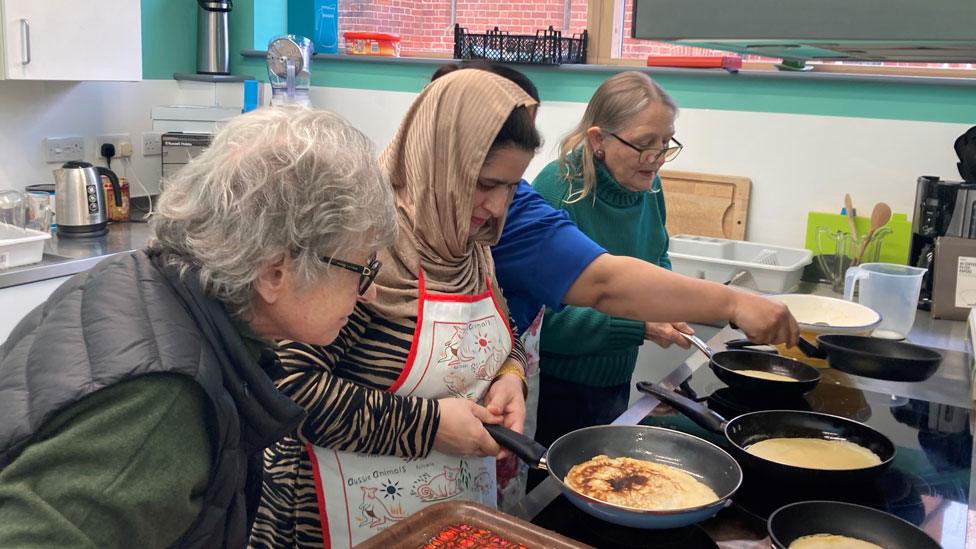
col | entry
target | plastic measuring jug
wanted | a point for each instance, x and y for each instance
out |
(891, 290)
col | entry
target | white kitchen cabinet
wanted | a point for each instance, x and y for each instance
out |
(17, 301)
(71, 39)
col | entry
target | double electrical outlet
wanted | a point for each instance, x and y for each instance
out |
(63, 149)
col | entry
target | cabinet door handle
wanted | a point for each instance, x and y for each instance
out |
(25, 53)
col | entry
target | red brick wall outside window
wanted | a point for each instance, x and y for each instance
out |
(424, 26)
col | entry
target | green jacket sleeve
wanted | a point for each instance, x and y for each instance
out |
(586, 331)
(127, 466)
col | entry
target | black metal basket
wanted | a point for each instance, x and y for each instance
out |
(547, 47)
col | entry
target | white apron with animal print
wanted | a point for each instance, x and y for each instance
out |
(459, 343)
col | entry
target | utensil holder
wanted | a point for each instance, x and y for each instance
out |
(839, 251)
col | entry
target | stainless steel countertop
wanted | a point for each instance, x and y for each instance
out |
(67, 256)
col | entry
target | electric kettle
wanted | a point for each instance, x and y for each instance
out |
(79, 200)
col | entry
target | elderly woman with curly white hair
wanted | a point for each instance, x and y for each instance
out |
(137, 400)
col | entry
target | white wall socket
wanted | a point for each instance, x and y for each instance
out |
(114, 138)
(152, 143)
(63, 149)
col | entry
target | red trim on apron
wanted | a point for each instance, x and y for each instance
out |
(320, 496)
(422, 296)
(508, 324)
(423, 485)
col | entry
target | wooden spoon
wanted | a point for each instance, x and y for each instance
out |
(849, 208)
(880, 217)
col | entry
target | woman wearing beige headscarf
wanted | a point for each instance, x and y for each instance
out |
(396, 405)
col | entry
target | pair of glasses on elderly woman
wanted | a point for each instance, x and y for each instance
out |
(367, 273)
(651, 155)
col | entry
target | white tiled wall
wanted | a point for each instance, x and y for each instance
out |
(31, 111)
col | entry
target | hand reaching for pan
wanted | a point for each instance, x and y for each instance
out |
(505, 398)
(666, 333)
(461, 431)
(764, 320)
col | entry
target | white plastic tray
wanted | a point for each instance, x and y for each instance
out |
(775, 269)
(20, 246)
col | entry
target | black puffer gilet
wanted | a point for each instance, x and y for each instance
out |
(130, 316)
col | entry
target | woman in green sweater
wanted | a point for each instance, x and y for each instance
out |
(606, 178)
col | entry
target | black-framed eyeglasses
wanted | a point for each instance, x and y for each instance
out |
(367, 273)
(651, 155)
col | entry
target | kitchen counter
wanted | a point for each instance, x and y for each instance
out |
(948, 392)
(67, 256)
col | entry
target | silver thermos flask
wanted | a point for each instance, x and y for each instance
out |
(213, 41)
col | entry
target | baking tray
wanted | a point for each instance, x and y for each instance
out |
(420, 528)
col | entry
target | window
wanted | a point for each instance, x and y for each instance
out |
(633, 49)
(640, 49)
(426, 27)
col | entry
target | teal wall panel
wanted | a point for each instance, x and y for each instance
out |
(301, 19)
(169, 38)
(892, 99)
(271, 18)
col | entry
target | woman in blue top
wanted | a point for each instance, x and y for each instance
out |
(544, 260)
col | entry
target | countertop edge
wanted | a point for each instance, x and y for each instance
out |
(44, 272)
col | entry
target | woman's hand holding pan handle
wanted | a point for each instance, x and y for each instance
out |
(461, 430)
(764, 320)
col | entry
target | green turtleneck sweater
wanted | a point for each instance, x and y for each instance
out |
(581, 344)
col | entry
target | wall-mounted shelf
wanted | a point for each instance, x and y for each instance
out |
(215, 78)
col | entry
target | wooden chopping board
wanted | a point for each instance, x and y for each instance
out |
(705, 204)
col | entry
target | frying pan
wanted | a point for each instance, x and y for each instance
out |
(748, 429)
(874, 357)
(728, 364)
(806, 518)
(703, 460)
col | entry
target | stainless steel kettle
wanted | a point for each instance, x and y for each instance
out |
(79, 200)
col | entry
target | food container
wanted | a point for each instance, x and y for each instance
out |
(775, 269)
(372, 43)
(444, 525)
(44, 189)
(39, 212)
(20, 246)
(818, 315)
(116, 213)
(12, 208)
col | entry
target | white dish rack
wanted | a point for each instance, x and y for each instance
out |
(775, 269)
(20, 246)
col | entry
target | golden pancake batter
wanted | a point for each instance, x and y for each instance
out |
(638, 484)
(830, 541)
(815, 453)
(764, 375)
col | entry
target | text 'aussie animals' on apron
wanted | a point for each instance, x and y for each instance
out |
(459, 344)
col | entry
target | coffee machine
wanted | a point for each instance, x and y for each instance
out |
(942, 208)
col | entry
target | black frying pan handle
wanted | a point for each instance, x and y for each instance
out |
(747, 344)
(531, 452)
(809, 349)
(696, 411)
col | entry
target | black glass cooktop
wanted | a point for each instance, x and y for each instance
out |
(927, 484)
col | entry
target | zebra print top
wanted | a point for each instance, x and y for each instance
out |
(342, 387)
